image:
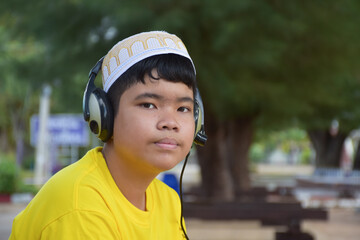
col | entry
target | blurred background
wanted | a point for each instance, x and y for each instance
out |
(280, 82)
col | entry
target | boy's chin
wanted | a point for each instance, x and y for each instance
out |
(166, 165)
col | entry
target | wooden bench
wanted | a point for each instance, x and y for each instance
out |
(288, 214)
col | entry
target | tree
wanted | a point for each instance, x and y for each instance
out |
(260, 64)
(270, 64)
(326, 55)
(18, 84)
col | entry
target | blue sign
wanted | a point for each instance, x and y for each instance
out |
(64, 129)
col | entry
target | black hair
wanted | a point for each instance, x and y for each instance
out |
(171, 67)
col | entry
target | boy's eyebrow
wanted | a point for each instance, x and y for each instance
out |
(148, 95)
(185, 99)
(159, 97)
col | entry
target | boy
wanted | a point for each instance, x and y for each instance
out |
(145, 116)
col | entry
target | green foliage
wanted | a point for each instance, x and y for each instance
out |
(251, 55)
(8, 175)
(26, 188)
(11, 177)
(287, 140)
(257, 153)
(286, 62)
(19, 80)
(306, 156)
(283, 137)
(28, 162)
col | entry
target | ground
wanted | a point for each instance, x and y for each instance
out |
(343, 224)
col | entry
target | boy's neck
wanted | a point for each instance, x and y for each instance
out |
(131, 182)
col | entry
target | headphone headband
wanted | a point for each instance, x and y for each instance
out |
(90, 87)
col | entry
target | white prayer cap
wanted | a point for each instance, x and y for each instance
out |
(136, 48)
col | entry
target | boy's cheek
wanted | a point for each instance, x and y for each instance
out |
(190, 139)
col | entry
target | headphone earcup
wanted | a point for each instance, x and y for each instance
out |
(198, 117)
(200, 136)
(101, 115)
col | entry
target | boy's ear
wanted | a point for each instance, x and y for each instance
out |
(97, 108)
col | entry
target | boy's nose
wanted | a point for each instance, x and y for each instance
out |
(168, 122)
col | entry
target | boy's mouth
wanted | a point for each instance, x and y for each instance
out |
(167, 143)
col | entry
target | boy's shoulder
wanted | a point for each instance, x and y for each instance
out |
(70, 184)
(76, 172)
(66, 193)
(76, 192)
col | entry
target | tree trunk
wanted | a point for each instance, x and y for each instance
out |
(18, 132)
(4, 141)
(328, 147)
(20, 147)
(239, 142)
(216, 180)
(356, 164)
(224, 159)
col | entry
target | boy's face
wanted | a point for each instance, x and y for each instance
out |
(154, 126)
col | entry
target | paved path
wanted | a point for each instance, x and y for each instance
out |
(7, 214)
(342, 225)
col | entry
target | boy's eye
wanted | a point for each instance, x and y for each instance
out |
(184, 109)
(148, 105)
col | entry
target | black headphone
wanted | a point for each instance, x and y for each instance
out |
(99, 114)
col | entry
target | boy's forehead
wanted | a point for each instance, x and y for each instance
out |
(161, 89)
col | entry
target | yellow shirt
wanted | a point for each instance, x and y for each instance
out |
(82, 201)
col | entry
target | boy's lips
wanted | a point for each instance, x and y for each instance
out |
(167, 143)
